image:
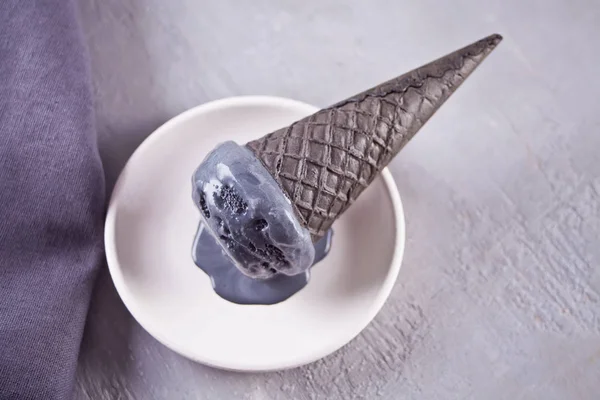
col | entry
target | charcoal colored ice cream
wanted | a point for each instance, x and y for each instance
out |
(249, 215)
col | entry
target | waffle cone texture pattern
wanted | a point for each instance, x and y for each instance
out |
(326, 160)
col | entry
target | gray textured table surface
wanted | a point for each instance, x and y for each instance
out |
(499, 293)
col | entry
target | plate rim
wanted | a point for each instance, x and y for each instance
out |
(115, 269)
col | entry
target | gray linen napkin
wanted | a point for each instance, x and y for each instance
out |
(51, 197)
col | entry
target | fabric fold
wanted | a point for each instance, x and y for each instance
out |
(51, 197)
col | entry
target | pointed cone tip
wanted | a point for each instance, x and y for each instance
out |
(490, 41)
(493, 40)
(485, 46)
(496, 38)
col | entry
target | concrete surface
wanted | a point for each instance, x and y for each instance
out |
(499, 294)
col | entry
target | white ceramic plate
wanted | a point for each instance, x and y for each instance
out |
(151, 224)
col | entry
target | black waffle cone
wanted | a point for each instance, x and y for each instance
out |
(324, 162)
